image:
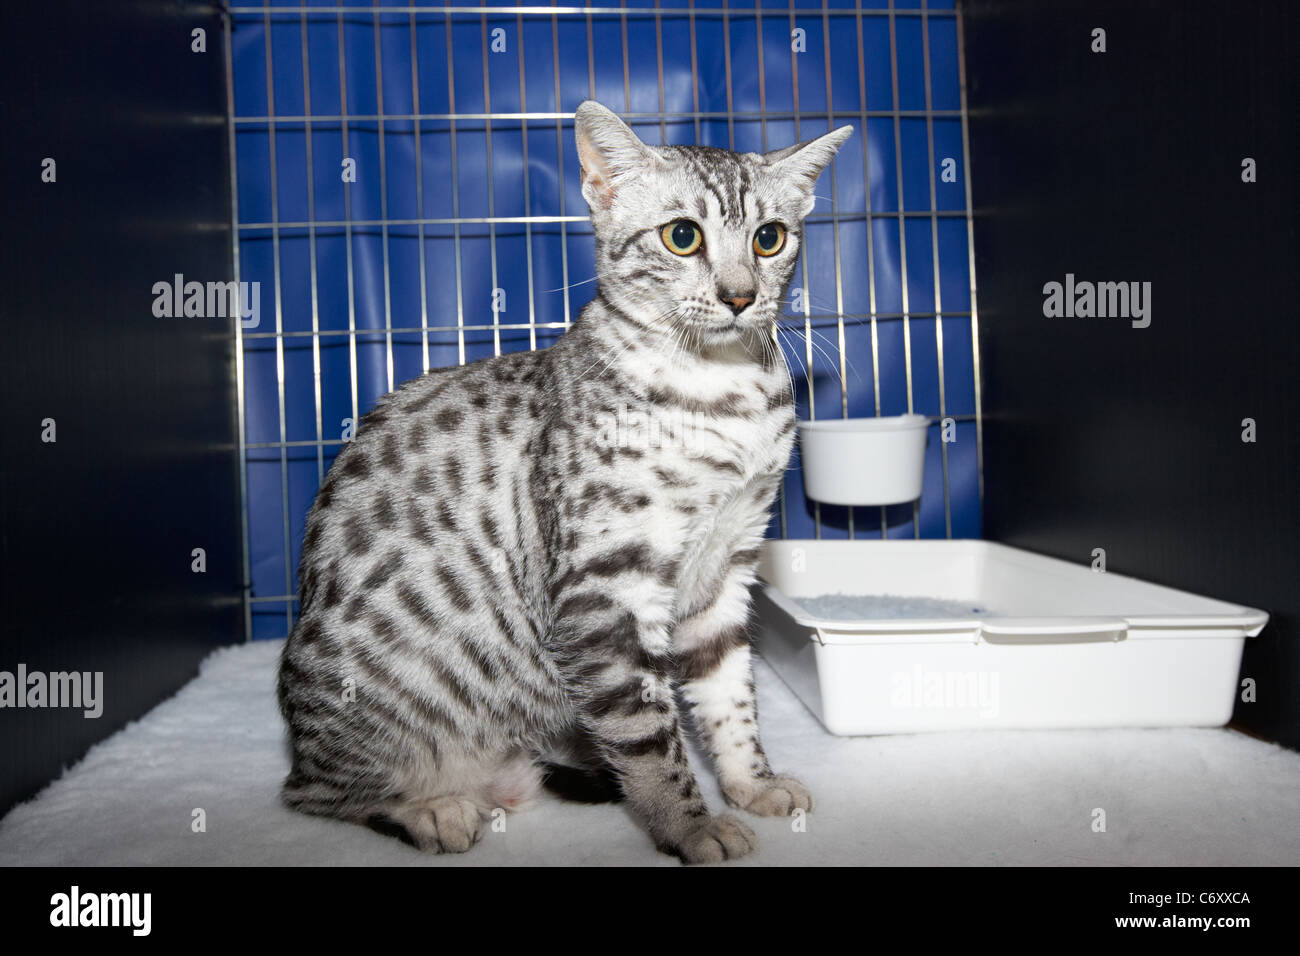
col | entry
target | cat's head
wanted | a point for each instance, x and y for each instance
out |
(696, 238)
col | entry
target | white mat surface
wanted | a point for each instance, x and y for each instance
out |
(1171, 797)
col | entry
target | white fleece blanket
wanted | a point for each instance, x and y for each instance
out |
(1171, 797)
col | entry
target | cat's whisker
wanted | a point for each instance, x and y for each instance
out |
(772, 348)
(574, 285)
(806, 298)
(829, 360)
(596, 278)
(826, 349)
(613, 358)
(582, 377)
(678, 350)
(676, 344)
(834, 344)
(795, 353)
(809, 325)
(812, 344)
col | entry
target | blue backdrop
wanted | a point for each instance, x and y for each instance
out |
(365, 284)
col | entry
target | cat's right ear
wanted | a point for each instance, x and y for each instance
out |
(607, 151)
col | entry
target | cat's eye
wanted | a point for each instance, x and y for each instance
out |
(769, 239)
(682, 237)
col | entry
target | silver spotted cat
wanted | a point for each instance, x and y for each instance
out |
(546, 556)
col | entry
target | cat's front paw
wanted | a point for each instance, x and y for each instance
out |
(440, 824)
(776, 796)
(721, 838)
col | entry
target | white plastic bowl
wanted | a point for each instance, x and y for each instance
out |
(864, 461)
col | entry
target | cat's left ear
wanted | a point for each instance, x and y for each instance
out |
(804, 162)
(607, 150)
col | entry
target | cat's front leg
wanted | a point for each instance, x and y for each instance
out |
(611, 642)
(713, 665)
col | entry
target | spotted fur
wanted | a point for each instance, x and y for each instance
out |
(551, 551)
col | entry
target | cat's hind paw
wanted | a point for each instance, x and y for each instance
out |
(777, 796)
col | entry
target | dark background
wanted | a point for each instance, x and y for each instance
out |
(1126, 165)
(96, 529)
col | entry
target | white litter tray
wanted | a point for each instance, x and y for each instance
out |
(1053, 644)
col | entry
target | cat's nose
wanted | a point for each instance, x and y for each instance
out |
(736, 299)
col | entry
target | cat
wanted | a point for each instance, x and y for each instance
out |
(496, 568)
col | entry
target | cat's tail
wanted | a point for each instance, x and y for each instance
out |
(581, 784)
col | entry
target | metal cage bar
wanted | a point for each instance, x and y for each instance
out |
(934, 255)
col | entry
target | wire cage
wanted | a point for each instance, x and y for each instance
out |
(407, 193)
